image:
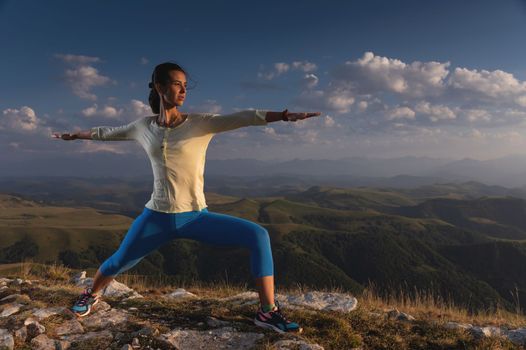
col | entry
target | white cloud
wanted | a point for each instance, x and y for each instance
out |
(83, 77)
(77, 59)
(94, 147)
(401, 113)
(280, 68)
(304, 66)
(208, 106)
(329, 122)
(310, 80)
(21, 120)
(140, 109)
(374, 74)
(435, 112)
(144, 60)
(272, 133)
(106, 111)
(494, 84)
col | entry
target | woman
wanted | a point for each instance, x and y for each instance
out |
(176, 144)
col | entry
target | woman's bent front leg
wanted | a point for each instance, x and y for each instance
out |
(149, 231)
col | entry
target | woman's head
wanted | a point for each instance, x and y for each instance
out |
(169, 80)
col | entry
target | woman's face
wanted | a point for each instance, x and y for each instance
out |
(174, 92)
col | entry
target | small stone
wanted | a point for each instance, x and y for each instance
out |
(6, 339)
(10, 309)
(42, 342)
(69, 327)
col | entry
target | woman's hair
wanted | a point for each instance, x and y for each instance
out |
(161, 75)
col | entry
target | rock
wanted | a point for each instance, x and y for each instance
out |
(112, 318)
(77, 277)
(405, 317)
(214, 322)
(9, 297)
(21, 334)
(488, 331)
(127, 347)
(322, 301)
(101, 306)
(33, 328)
(6, 339)
(102, 339)
(42, 342)
(517, 336)
(113, 289)
(296, 344)
(4, 280)
(220, 338)
(3, 288)
(394, 314)
(9, 309)
(135, 343)
(245, 298)
(69, 327)
(455, 325)
(180, 293)
(46, 312)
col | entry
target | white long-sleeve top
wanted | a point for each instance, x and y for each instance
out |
(177, 155)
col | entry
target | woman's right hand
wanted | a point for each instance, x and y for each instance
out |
(66, 137)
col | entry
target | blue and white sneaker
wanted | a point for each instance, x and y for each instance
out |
(275, 320)
(85, 302)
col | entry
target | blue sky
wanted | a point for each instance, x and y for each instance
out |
(391, 78)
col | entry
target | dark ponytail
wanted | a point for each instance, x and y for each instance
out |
(161, 75)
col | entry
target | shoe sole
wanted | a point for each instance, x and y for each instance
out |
(88, 311)
(269, 326)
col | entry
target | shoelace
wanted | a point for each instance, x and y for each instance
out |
(278, 312)
(84, 297)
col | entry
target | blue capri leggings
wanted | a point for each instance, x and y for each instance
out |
(152, 229)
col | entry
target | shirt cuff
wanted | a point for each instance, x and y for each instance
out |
(95, 133)
(261, 114)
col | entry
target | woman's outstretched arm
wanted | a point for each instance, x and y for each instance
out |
(103, 133)
(216, 123)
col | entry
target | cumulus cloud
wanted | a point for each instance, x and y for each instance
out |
(435, 112)
(310, 80)
(82, 77)
(376, 74)
(280, 68)
(304, 66)
(208, 106)
(378, 92)
(77, 59)
(140, 109)
(106, 111)
(23, 120)
(401, 113)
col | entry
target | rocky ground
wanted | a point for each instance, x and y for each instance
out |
(34, 314)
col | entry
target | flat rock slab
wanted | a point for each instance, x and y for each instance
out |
(221, 338)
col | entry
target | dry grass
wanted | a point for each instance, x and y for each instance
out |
(429, 305)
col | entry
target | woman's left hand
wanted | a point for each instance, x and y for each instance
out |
(292, 117)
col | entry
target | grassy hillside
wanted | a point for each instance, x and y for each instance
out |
(313, 244)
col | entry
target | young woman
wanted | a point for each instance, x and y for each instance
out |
(176, 145)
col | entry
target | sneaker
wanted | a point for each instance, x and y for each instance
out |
(275, 320)
(85, 302)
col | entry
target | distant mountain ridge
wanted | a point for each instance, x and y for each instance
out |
(507, 171)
